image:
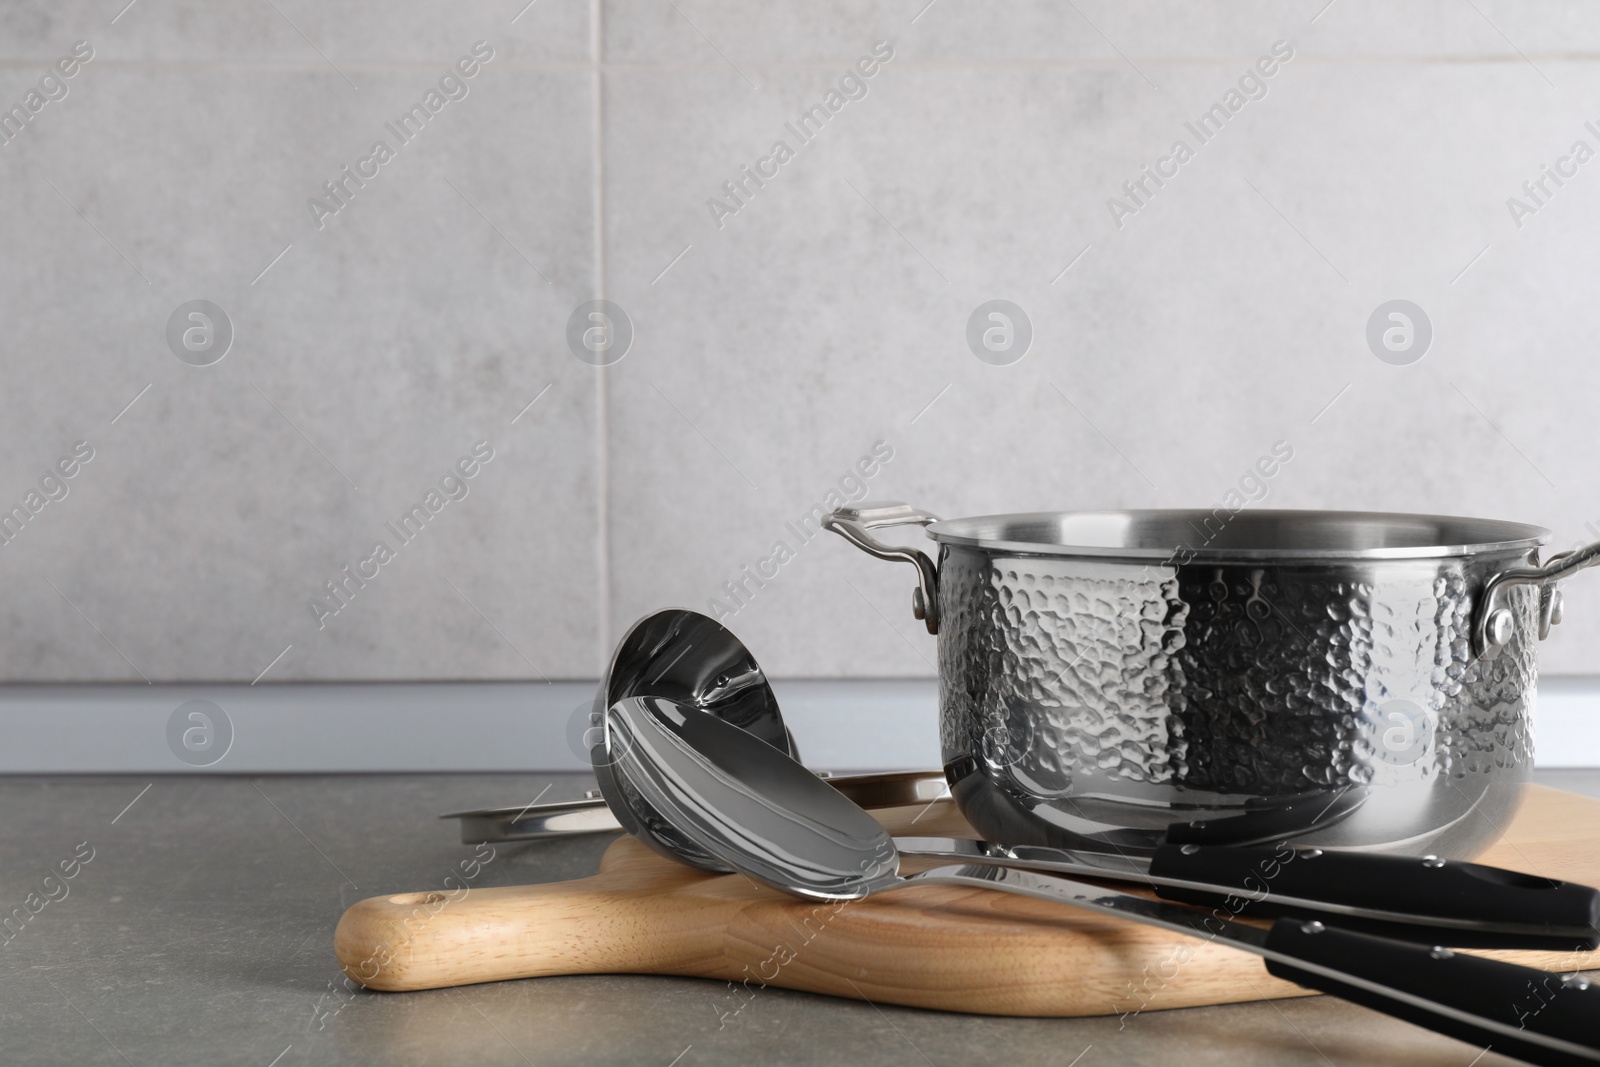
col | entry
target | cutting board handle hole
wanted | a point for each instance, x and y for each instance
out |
(418, 898)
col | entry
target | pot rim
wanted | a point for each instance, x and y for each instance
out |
(1222, 535)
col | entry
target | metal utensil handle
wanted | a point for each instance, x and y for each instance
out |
(535, 822)
(853, 523)
(570, 818)
(1491, 627)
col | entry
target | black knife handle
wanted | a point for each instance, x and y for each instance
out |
(1531, 1014)
(1488, 900)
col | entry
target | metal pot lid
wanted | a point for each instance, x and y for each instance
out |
(1221, 535)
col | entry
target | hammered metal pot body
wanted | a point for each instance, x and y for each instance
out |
(1102, 702)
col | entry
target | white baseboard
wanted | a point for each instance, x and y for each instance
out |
(505, 726)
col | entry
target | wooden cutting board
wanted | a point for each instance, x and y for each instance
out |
(932, 946)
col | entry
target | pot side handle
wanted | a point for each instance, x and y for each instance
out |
(1491, 626)
(853, 523)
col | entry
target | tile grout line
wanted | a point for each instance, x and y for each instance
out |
(602, 394)
(1216, 61)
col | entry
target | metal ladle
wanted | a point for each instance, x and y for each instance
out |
(750, 806)
(694, 660)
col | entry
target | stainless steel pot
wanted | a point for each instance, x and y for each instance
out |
(1344, 679)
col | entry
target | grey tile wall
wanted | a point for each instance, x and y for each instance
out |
(778, 349)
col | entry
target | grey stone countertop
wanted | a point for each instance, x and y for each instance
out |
(201, 930)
